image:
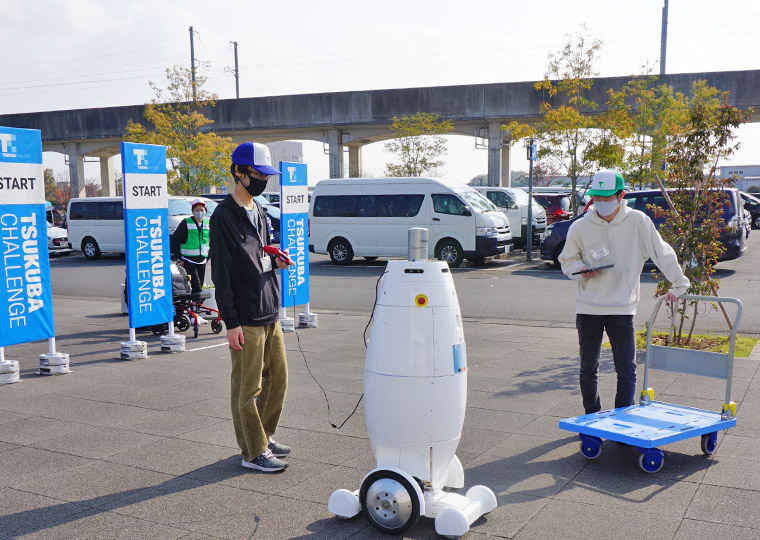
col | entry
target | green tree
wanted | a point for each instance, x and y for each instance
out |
(565, 133)
(50, 185)
(648, 115)
(199, 157)
(571, 140)
(418, 144)
(694, 223)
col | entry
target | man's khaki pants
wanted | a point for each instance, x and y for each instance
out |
(259, 383)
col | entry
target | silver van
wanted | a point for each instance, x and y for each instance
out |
(514, 203)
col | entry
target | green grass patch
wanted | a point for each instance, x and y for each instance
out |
(699, 342)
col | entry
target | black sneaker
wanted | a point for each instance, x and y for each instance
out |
(277, 449)
(266, 462)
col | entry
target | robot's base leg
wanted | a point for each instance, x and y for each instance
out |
(344, 504)
(455, 513)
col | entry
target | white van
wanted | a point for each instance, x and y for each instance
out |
(370, 217)
(514, 204)
(96, 224)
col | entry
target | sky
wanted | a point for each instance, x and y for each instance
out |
(70, 54)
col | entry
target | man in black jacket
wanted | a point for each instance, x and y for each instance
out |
(248, 296)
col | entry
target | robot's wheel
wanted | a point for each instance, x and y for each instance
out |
(216, 326)
(182, 323)
(389, 502)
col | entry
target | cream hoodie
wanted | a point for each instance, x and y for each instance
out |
(630, 239)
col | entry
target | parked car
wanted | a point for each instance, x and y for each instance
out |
(371, 217)
(752, 204)
(54, 214)
(733, 236)
(580, 193)
(58, 240)
(557, 206)
(96, 224)
(513, 203)
(272, 197)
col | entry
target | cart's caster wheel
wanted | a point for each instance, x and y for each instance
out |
(158, 329)
(389, 502)
(652, 460)
(216, 326)
(591, 446)
(195, 329)
(709, 442)
(182, 323)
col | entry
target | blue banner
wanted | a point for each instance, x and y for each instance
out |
(294, 232)
(26, 299)
(146, 234)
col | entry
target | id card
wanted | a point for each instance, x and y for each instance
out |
(599, 253)
(266, 264)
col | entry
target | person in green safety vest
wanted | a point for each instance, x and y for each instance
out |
(190, 245)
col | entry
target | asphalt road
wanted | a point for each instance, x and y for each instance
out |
(512, 289)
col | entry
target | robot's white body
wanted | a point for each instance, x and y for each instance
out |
(415, 387)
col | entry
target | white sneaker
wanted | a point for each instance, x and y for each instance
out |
(201, 320)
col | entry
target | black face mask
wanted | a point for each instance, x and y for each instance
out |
(255, 186)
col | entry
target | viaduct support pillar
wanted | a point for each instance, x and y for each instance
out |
(494, 153)
(107, 181)
(76, 170)
(354, 161)
(336, 153)
(506, 167)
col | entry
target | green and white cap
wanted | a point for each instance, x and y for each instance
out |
(606, 182)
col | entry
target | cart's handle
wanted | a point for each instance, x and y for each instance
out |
(716, 299)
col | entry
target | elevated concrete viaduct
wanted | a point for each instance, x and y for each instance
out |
(348, 119)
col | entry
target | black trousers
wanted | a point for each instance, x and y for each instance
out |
(197, 273)
(620, 330)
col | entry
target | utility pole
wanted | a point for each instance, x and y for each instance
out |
(192, 61)
(664, 38)
(529, 229)
(237, 74)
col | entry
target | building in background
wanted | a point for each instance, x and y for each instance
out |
(746, 175)
(280, 151)
(283, 151)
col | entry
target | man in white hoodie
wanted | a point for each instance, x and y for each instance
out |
(610, 233)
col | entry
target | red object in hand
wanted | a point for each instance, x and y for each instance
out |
(281, 255)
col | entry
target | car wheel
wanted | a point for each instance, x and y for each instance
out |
(340, 251)
(555, 256)
(450, 251)
(757, 222)
(90, 248)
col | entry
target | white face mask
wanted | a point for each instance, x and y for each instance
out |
(199, 214)
(605, 208)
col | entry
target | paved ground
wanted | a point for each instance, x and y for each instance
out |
(145, 449)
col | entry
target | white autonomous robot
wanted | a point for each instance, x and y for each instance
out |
(415, 387)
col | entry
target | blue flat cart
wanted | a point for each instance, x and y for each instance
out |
(653, 423)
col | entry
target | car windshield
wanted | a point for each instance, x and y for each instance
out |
(477, 201)
(178, 207)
